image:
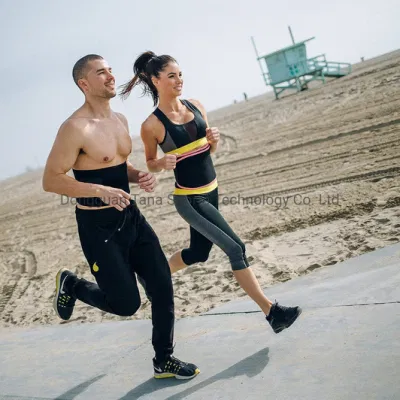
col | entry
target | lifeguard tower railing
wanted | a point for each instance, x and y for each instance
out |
(289, 68)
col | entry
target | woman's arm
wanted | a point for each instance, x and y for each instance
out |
(151, 135)
(212, 134)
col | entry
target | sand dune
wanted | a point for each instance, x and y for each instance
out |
(306, 181)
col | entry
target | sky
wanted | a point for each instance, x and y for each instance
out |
(41, 40)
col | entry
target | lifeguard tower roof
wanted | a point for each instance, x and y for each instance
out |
(288, 47)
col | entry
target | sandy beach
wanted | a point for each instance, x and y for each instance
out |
(306, 182)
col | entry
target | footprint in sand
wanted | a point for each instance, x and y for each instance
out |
(366, 248)
(354, 246)
(227, 288)
(282, 276)
(273, 269)
(330, 261)
(190, 270)
(382, 220)
(309, 268)
(227, 274)
(20, 267)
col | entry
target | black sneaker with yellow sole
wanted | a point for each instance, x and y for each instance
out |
(64, 301)
(171, 367)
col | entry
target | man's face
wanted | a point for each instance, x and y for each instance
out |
(99, 80)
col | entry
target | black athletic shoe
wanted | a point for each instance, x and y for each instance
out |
(174, 368)
(281, 317)
(63, 302)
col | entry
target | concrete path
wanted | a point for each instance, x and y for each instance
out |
(346, 345)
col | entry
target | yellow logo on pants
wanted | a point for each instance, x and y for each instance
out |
(95, 267)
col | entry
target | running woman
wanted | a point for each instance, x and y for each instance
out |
(180, 128)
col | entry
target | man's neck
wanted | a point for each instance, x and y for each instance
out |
(98, 107)
(170, 104)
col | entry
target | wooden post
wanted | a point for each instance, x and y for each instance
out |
(291, 35)
(259, 62)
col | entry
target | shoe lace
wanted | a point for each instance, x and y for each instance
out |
(66, 300)
(173, 364)
(278, 311)
(282, 308)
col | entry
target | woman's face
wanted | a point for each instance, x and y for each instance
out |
(170, 81)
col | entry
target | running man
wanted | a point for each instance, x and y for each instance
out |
(116, 239)
(180, 129)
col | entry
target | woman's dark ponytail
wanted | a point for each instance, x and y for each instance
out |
(146, 66)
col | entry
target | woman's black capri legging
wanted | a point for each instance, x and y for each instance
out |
(208, 227)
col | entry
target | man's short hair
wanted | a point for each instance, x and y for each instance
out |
(79, 70)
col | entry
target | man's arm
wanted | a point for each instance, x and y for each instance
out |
(145, 180)
(133, 173)
(212, 133)
(61, 159)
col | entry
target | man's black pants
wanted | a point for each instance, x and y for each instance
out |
(118, 244)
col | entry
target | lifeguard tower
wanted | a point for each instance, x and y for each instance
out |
(289, 68)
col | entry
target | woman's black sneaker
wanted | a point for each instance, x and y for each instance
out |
(281, 317)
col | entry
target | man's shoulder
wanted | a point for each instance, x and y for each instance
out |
(74, 125)
(121, 117)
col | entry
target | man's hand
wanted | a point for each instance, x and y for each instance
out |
(212, 135)
(147, 181)
(168, 161)
(117, 198)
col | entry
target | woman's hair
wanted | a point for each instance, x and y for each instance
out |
(146, 66)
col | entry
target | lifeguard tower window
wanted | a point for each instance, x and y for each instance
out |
(289, 68)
